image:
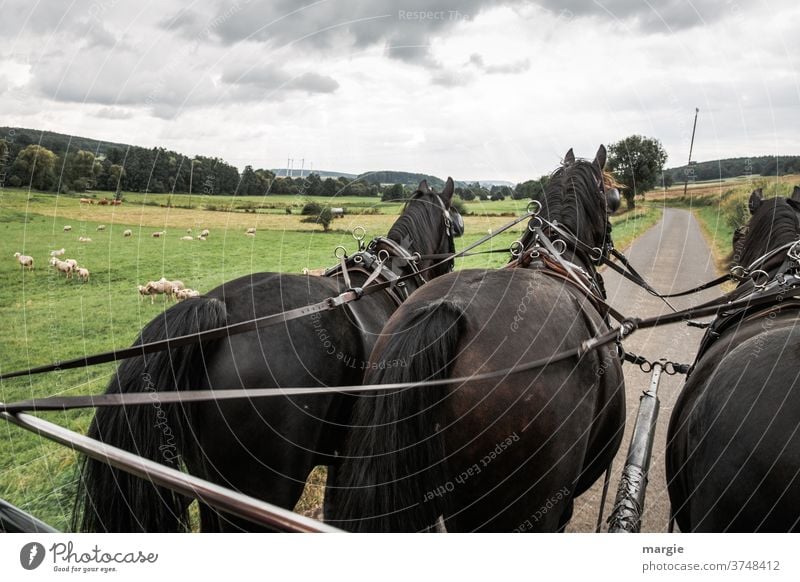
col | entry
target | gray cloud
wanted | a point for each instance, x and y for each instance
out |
(403, 28)
(272, 78)
(645, 15)
(512, 68)
(114, 113)
(446, 78)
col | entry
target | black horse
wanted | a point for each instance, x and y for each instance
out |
(502, 455)
(265, 447)
(733, 446)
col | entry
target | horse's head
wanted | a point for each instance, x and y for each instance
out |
(428, 225)
(580, 196)
(774, 222)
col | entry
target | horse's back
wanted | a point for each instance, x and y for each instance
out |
(252, 440)
(531, 439)
(733, 452)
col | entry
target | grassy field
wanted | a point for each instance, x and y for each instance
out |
(46, 318)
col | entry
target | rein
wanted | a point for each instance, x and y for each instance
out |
(626, 328)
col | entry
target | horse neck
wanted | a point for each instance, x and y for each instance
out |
(417, 232)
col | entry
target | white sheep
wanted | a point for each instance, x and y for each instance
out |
(72, 262)
(183, 294)
(84, 239)
(204, 232)
(24, 261)
(58, 253)
(187, 237)
(188, 231)
(101, 227)
(159, 233)
(313, 272)
(127, 233)
(83, 273)
(250, 230)
(65, 267)
(201, 237)
(145, 290)
(67, 228)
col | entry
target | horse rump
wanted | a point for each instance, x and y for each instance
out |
(395, 450)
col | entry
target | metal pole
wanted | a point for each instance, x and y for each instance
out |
(691, 147)
(226, 500)
(191, 175)
(626, 517)
(14, 520)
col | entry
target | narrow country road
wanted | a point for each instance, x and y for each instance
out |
(671, 256)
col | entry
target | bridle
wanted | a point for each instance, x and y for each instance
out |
(384, 260)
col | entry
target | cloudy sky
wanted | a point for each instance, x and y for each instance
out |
(472, 89)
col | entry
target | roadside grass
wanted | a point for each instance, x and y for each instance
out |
(47, 318)
(720, 208)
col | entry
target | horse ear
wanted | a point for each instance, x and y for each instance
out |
(755, 200)
(447, 193)
(796, 194)
(569, 158)
(423, 187)
(600, 157)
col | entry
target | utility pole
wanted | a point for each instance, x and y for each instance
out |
(691, 147)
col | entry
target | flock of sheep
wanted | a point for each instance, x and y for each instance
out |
(68, 267)
(174, 290)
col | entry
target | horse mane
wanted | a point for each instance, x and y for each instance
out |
(774, 224)
(572, 199)
(419, 220)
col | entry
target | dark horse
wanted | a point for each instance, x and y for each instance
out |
(264, 447)
(502, 455)
(733, 446)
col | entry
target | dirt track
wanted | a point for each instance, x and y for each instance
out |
(672, 256)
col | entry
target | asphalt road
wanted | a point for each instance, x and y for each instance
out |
(672, 256)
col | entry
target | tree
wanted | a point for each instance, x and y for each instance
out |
(36, 166)
(115, 175)
(637, 163)
(81, 170)
(396, 192)
(329, 187)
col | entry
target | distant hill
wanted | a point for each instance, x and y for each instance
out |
(406, 178)
(734, 167)
(57, 142)
(297, 173)
(490, 183)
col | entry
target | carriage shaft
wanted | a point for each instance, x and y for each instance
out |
(626, 517)
(226, 500)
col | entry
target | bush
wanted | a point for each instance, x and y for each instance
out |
(465, 194)
(325, 217)
(311, 209)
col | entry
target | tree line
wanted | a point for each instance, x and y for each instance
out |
(734, 167)
(80, 165)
